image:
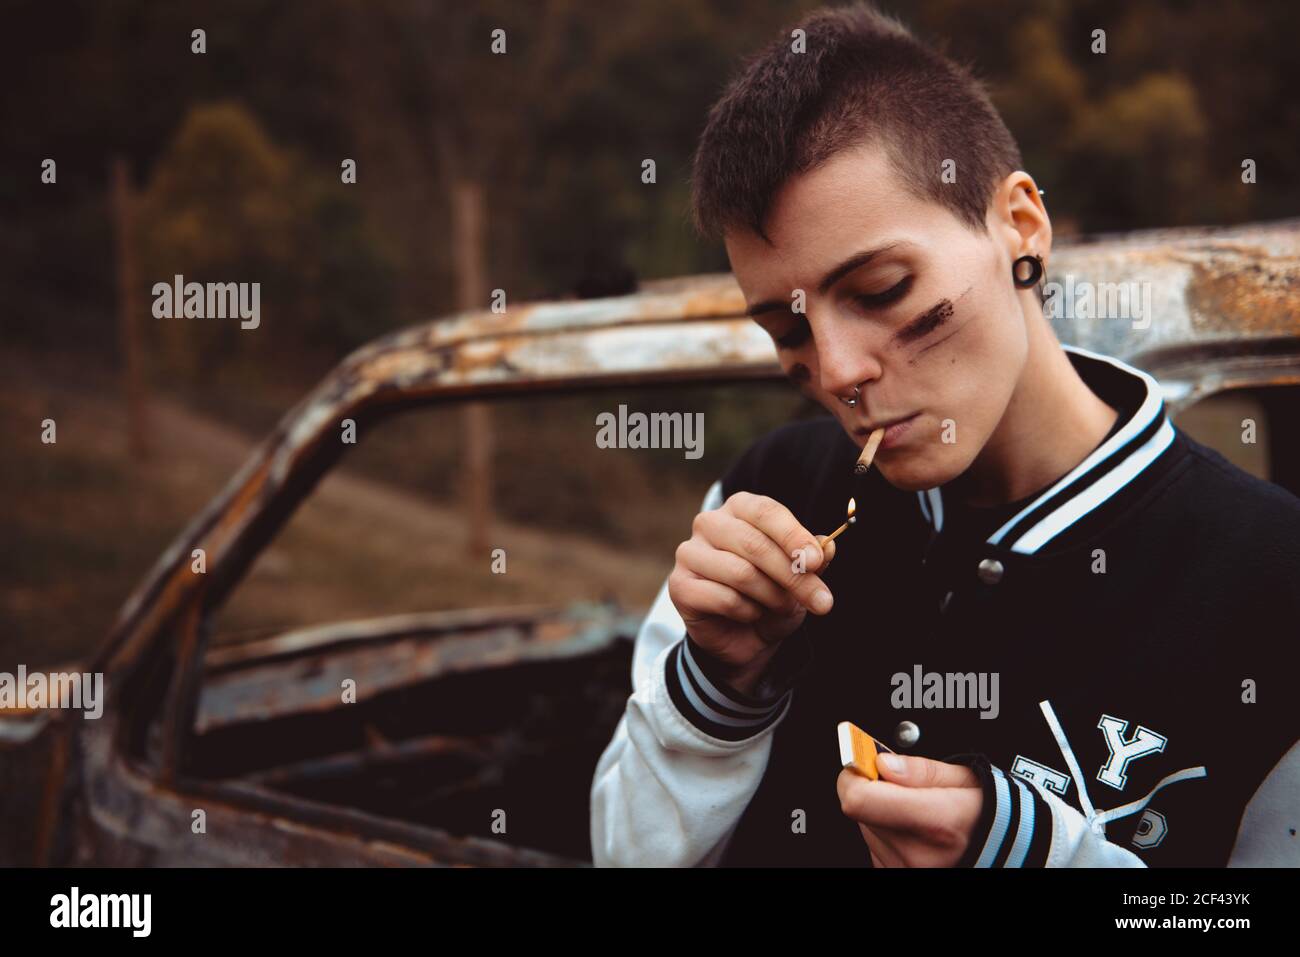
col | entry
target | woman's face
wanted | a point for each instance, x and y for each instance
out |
(901, 300)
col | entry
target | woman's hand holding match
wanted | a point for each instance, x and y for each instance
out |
(740, 585)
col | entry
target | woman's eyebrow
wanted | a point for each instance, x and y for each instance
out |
(856, 261)
(846, 266)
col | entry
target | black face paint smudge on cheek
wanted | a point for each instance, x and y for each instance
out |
(930, 321)
(800, 377)
(937, 342)
(926, 322)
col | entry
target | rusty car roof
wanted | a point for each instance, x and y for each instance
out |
(1216, 293)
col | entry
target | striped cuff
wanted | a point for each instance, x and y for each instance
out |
(709, 703)
(1015, 826)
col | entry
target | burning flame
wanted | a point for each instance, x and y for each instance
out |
(853, 507)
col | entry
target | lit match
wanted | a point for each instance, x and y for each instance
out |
(853, 507)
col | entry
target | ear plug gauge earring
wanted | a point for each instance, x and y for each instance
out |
(1035, 264)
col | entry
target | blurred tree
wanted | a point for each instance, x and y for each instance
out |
(224, 204)
(500, 98)
(129, 319)
(572, 109)
(217, 209)
(1139, 153)
(219, 194)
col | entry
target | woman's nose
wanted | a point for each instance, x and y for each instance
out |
(845, 362)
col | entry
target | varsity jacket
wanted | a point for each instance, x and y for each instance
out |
(1115, 656)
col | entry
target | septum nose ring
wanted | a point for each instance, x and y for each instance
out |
(851, 403)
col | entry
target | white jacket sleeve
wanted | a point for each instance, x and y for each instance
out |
(686, 757)
(1266, 836)
(1263, 836)
(1021, 810)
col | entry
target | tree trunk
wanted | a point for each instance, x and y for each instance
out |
(469, 240)
(128, 307)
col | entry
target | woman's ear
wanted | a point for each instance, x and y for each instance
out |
(1019, 218)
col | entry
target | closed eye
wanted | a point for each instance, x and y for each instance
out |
(800, 333)
(795, 337)
(877, 300)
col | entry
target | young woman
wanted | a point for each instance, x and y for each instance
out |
(1072, 623)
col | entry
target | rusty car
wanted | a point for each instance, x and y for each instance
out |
(457, 711)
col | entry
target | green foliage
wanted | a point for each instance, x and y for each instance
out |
(1148, 140)
(225, 203)
(239, 149)
(219, 199)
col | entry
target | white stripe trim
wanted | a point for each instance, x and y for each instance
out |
(1151, 407)
(703, 708)
(1096, 493)
(1001, 821)
(1067, 752)
(716, 694)
(1186, 774)
(1025, 830)
(936, 507)
(1069, 512)
(713, 497)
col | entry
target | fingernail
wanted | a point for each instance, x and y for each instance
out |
(822, 601)
(891, 763)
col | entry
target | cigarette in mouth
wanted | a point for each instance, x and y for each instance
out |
(868, 452)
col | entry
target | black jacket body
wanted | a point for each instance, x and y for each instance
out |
(1133, 604)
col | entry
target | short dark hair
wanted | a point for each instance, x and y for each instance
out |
(863, 77)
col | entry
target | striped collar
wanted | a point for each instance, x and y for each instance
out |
(1113, 465)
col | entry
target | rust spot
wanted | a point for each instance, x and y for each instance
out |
(1258, 298)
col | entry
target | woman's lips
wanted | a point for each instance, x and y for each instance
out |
(896, 433)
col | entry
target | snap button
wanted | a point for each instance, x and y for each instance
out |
(944, 602)
(906, 734)
(991, 571)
